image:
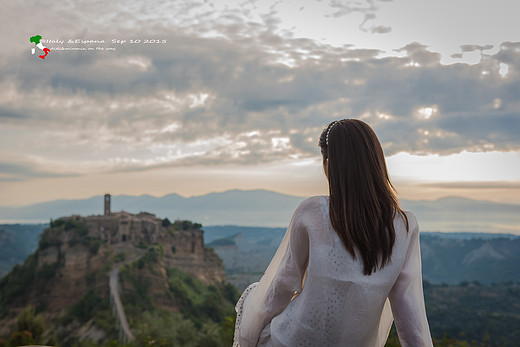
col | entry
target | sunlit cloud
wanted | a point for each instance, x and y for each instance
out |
(426, 112)
(499, 167)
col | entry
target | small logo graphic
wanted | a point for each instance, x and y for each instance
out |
(36, 40)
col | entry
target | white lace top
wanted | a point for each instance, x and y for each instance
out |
(336, 305)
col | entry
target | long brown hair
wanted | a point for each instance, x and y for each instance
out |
(362, 201)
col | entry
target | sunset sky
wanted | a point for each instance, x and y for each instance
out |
(218, 95)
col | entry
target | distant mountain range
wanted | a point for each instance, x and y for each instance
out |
(269, 209)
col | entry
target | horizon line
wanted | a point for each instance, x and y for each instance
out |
(242, 190)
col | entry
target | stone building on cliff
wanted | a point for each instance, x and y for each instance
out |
(115, 227)
(182, 241)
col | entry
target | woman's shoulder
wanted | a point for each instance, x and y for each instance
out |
(313, 202)
(411, 220)
(311, 209)
(410, 215)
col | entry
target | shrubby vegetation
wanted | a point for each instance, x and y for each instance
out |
(166, 222)
(22, 278)
(85, 308)
(172, 329)
(119, 257)
(49, 239)
(181, 225)
(52, 236)
(30, 329)
(472, 315)
(489, 315)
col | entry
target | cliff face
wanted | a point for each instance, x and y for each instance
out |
(76, 254)
(186, 252)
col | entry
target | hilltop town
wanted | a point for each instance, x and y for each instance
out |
(76, 254)
(182, 241)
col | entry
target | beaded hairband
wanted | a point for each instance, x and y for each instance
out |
(328, 132)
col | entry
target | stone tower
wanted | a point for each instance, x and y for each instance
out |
(107, 204)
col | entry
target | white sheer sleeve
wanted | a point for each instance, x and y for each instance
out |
(283, 277)
(406, 296)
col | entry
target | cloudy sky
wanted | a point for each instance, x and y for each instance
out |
(194, 97)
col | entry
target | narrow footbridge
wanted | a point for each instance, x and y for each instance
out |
(125, 335)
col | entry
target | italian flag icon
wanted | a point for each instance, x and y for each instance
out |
(36, 40)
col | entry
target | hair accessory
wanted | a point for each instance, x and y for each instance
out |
(328, 132)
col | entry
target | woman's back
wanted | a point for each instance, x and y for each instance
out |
(347, 256)
(339, 305)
